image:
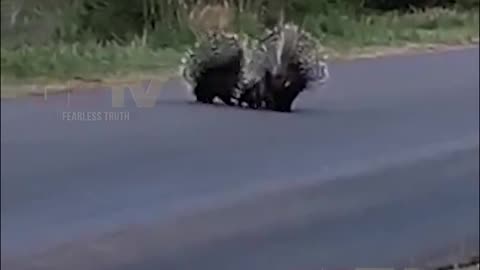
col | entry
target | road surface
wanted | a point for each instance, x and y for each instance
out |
(379, 168)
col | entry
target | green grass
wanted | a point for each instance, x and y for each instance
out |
(435, 26)
(65, 61)
(341, 35)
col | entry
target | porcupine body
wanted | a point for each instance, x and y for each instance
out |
(213, 68)
(290, 62)
(252, 87)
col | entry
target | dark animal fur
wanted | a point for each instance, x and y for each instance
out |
(275, 92)
(219, 81)
(282, 89)
(252, 95)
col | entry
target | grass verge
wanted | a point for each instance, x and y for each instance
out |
(343, 36)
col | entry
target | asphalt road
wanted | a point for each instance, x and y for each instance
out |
(377, 169)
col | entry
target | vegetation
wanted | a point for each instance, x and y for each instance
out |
(63, 39)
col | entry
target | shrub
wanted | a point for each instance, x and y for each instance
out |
(164, 22)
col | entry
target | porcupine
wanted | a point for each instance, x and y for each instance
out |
(288, 61)
(213, 68)
(252, 87)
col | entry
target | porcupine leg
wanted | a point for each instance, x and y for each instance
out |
(226, 86)
(251, 99)
(207, 100)
(203, 91)
(270, 103)
(247, 97)
(241, 100)
(226, 98)
(286, 107)
(204, 97)
(253, 105)
(269, 97)
(258, 97)
(284, 104)
(285, 100)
